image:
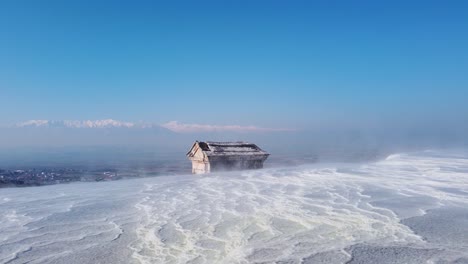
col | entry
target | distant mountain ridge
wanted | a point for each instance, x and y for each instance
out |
(103, 123)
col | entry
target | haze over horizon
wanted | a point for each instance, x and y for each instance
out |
(244, 67)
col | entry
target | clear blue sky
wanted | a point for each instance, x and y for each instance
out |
(266, 63)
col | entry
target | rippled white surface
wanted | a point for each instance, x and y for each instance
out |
(307, 214)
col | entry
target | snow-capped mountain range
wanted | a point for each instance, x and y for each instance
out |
(104, 123)
(173, 126)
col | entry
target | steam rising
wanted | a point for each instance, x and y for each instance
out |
(307, 214)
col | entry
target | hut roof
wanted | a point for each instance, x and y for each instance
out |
(211, 148)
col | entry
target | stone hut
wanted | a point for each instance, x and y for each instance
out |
(217, 156)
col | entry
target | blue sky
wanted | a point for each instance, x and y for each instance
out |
(279, 64)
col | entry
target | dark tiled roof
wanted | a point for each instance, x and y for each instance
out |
(230, 148)
(203, 146)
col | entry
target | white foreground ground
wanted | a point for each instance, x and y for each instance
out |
(408, 208)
